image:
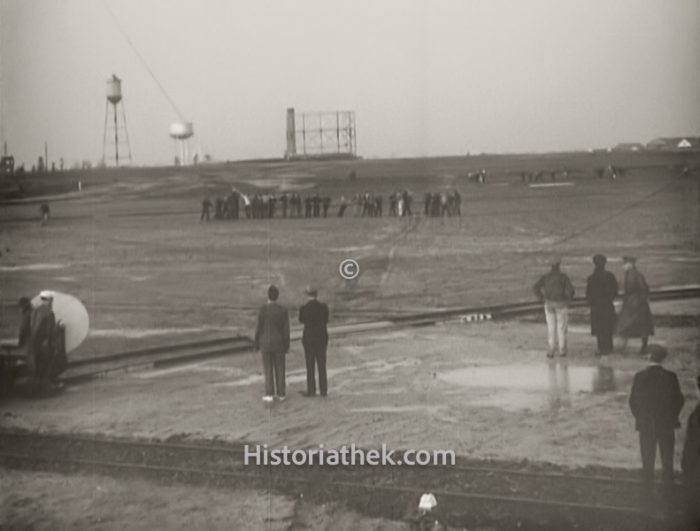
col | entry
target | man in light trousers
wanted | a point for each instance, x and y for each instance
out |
(556, 290)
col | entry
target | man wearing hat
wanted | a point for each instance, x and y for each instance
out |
(314, 316)
(556, 290)
(40, 345)
(601, 290)
(272, 340)
(656, 401)
(635, 317)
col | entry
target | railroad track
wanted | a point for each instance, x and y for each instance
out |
(161, 356)
(490, 490)
(88, 368)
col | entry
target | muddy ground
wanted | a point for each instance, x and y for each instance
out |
(49, 501)
(132, 248)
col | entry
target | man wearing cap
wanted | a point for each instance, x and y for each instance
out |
(656, 401)
(40, 345)
(556, 290)
(272, 340)
(601, 290)
(314, 316)
(635, 317)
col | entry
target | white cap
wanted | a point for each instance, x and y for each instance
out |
(427, 502)
(46, 294)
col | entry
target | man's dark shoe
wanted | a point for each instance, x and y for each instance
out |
(307, 394)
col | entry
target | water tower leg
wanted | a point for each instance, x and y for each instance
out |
(104, 136)
(116, 137)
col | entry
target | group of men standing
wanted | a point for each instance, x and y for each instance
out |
(655, 399)
(265, 206)
(41, 339)
(442, 204)
(635, 320)
(272, 340)
(367, 204)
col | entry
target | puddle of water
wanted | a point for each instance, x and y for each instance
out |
(553, 385)
(33, 267)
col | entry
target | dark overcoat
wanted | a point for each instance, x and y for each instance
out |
(601, 290)
(314, 316)
(690, 463)
(656, 399)
(635, 317)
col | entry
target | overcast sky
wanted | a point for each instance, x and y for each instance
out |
(424, 77)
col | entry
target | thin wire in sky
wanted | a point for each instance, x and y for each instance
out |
(143, 61)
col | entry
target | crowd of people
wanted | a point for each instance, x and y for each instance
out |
(239, 205)
(400, 203)
(635, 320)
(655, 399)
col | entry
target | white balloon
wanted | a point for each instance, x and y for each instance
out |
(70, 312)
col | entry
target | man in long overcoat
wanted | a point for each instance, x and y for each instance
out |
(40, 345)
(601, 290)
(314, 316)
(272, 340)
(656, 401)
(635, 317)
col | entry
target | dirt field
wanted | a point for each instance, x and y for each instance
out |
(132, 248)
(46, 501)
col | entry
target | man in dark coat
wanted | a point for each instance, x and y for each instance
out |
(656, 401)
(40, 344)
(272, 340)
(206, 207)
(316, 204)
(690, 464)
(284, 200)
(314, 316)
(601, 290)
(25, 325)
(326, 205)
(635, 317)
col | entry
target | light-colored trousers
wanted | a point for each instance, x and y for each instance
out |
(557, 315)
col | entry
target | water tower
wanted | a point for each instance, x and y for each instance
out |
(114, 98)
(180, 132)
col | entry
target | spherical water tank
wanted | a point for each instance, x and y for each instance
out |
(114, 89)
(181, 130)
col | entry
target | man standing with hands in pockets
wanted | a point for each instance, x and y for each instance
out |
(556, 290)
(314, 316)
(272, 340)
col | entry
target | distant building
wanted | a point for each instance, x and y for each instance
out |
(680, 143)
(629, 146)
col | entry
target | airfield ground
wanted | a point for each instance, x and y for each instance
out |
(132, 248)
